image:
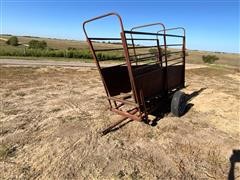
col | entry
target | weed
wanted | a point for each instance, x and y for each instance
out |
(120, 174)
(6, 151)
(135, 175)
(209, 59)
(20, 94)
(150, 135)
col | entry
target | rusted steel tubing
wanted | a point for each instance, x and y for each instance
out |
(92, 49)
(115, 49)
(103, 16)
(144, 58)
(174, 59)
(148, 33)
(119, 39)
(169, 29)
(127, 114)
(99, 69)
(109, 128)
(172, 45)
(138, 27)
(96, 38)
(124, 101)
(142, 54)
(128, 79)
(175, 63)
(148, 25)
(120, 105)
(143, 103)
(159, 52)
(141, 47)
(130, 73)
(173, 52)
(141, 39)
(184, 58)
(165, 57)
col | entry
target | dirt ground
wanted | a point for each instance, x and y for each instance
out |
(50, 118)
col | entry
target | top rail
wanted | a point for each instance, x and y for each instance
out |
(101, 17)
(176, 28)
(155, 34)
(148, 25)
(119, 39)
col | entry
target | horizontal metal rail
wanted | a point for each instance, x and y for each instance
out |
(119, 39)
(123, 101)
(140, 39)
(114, 58)
(143, 58)
(154, 34)
(174, 59)
(174, 52)
(140, 54)
(113, 49)
(175, 63)
(96, 38)
(127, 114)
(176, 28)
(172, 45)
(141, 47)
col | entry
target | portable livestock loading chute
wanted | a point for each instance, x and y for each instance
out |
(146, 73)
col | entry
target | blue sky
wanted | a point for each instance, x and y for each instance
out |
(211, 25)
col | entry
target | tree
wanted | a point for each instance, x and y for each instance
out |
(13, 41)
(35, 44)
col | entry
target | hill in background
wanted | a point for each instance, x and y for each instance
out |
(194, 56)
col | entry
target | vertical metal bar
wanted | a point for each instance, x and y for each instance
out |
(184, 58)
(130, 73)
(134, 50)
(143, 103)
(99, 69)
(92, 49)
(115, 104)
(165, 56)
(159, 53)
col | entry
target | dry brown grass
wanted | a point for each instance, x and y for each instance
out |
(50, 118)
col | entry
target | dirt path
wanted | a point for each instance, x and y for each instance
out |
(31, 63)
(50, 118)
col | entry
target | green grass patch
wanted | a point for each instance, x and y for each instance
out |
(21, 51)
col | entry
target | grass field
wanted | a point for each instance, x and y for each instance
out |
(50, 118)
(194, 56)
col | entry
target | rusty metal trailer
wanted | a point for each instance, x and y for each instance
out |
(146, 71)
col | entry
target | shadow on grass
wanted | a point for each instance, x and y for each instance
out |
(235, 158)
(163, 110)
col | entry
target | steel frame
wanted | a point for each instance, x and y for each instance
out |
(139, 62)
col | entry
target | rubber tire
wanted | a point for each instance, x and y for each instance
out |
(178, 104)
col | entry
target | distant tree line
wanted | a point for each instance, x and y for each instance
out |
(38, 48)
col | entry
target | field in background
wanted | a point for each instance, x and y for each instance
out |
(194, 56)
